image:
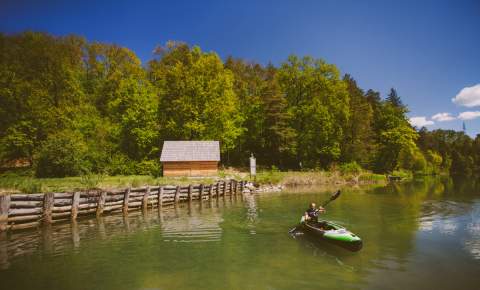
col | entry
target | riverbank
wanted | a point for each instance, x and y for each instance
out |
(26, 184)
(265, 181)
(310, 178)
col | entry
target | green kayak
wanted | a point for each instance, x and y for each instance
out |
(333, 233)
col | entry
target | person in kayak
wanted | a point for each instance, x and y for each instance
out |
(312, 212)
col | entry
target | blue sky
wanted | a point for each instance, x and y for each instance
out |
(428, 50)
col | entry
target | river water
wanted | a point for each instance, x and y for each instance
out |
(417, 235)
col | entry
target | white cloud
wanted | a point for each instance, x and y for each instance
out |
(468, 97)
(420, 122)
(469, 115)
(443, 117)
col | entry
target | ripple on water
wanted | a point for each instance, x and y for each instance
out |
(192, 229)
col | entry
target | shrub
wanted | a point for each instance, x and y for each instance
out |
(404, 174)
(149, 167)
(120, 164)
(350, 168)
(62, 154)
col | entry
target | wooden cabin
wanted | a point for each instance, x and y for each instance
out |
(190, 158)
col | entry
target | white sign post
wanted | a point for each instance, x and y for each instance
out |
(253, 166)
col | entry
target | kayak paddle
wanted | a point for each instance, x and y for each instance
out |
(332, 198)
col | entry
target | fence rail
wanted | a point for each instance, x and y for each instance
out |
(21, 211)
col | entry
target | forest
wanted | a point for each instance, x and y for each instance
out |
(70, 107)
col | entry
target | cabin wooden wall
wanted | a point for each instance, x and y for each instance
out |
(190, 168)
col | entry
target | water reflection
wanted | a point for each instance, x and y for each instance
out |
(472, 244)
(321, 249)
(193, 224)
(418, 235)
(460, 220)
(252, 213)
(185, 223)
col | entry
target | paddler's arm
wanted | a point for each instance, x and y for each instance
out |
(306, 216)
(321, 209)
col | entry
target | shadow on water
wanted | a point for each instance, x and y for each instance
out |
(321, 249)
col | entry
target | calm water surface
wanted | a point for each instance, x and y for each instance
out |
(420, 235)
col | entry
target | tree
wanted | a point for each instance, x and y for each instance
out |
(64, 153)
(249, 85)
(40, 87)
(280, 137)
(359, 141)
(318, 102)
(197, 100)
(394, 134)
(394, 99)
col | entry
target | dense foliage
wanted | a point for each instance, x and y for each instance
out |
(70, 107)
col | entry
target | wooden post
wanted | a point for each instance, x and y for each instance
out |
(101, 202)
(75, 203)
(241, 187)
(47, 207)
(125, 200)
(177, 194)
(145, 198)
(231, 187)
(210, 191)
(200, 192)
(160, 196)
(224, 187)
(101, 227)
(4, 207)
(217, 189)
(190, 189)
(4, 264)
(75, 234)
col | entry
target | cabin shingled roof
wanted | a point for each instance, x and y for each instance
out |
(190, 151)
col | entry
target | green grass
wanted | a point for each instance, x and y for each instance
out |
(11, 183)
(26, 184)
(404, 174)
(294, 178)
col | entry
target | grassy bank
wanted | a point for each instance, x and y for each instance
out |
(33, 185)
(297, 178)
(26, 184)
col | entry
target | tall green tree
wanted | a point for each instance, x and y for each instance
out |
(120, 89)
(197, 100)
(40, 89)
(280, 137)
(318, 101)
(249, 85)
(394, 134)
(359, 139)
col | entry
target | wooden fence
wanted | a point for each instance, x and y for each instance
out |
(21, 211)
(172, 223)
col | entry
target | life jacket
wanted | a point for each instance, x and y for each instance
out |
(312, 212)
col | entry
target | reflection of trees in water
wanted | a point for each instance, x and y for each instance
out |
(194, 222)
